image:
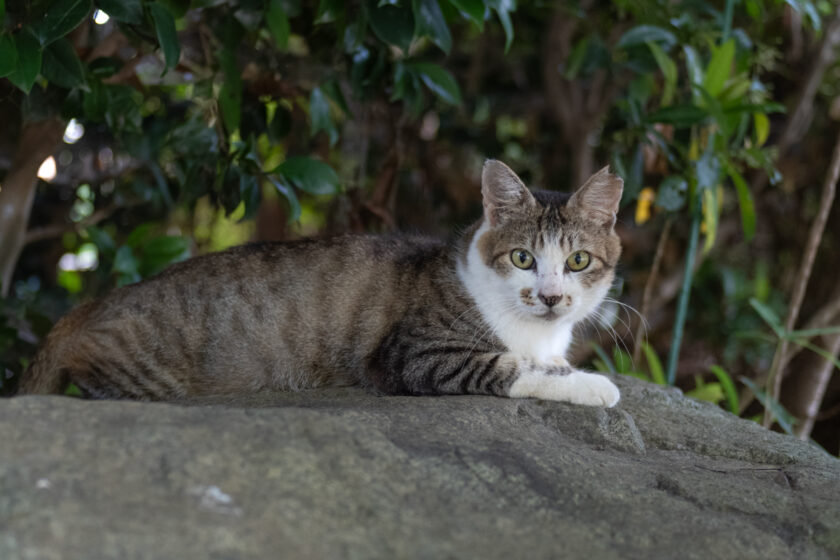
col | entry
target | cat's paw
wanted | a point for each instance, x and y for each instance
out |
(593, 389)
(576, 387)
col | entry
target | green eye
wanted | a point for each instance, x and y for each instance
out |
(577, 261)
(522, 259)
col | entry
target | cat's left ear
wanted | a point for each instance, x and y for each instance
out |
(599, 197)
(503, 193)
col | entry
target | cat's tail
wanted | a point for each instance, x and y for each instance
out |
(49, 372)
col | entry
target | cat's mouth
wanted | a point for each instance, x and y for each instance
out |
(549, 315)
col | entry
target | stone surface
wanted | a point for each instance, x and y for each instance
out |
(344, 474)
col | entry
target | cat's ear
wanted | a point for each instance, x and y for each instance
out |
(598, 198)
(503, 192)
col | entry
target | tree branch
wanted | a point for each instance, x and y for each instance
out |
(803, 112)
(816, 382)
(649, 284)
(774, 378)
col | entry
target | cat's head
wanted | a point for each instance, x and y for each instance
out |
(548, 256)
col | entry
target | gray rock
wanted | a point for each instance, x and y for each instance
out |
(345, 474)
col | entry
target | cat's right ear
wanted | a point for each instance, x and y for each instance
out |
(503, 193)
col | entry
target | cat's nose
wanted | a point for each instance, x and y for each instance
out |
(550, 301)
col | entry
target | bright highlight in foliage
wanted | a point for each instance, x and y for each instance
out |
(100, 17)
(74, 131)
(47, 170)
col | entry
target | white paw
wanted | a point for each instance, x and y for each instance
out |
(576, 387)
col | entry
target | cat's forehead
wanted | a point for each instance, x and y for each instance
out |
(551, 223)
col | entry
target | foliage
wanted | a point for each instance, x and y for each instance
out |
(193, 125)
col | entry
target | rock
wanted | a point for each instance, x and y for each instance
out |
(345, 474)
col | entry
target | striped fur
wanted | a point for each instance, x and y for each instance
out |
(399, 314)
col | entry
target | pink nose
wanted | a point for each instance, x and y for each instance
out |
(550, 301)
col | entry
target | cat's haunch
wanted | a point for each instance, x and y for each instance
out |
(490, 314)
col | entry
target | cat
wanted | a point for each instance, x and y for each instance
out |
(490, 314)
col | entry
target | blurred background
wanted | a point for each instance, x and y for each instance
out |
(137, 133)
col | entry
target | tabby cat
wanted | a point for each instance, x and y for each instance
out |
(490, 314)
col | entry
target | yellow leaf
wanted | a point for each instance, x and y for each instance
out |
(762, 128)
(646, 198)
(694, 148)
(710, 218)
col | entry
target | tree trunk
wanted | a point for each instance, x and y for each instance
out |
(38, 140)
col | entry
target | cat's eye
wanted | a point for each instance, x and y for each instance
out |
(522, 259)
(577, 261)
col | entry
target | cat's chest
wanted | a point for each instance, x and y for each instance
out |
(543, 343)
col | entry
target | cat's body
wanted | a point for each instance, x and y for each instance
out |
(403, 315)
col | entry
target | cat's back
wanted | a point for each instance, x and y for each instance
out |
(258, 315)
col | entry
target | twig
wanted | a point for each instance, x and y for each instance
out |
(57, 230)
(802, 114)
(649, 284)
(774, 378)
(816, 388)
(827, 314)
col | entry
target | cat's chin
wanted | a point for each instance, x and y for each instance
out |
(549, 316)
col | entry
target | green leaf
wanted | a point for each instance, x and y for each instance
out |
(124, 11)
(62, 17)
(655, 366)
(719, 68)
(473, 9)
(782, 416)
(104, 67)
(73, 391)
(166, 34)
(329, 10)
(319, 115)
(230, 94)
(622, 360)
(28, 61)
(289, 193)
(159, 252)
(2, 17)
(249, 193)
(575, 61)
(126, 266)
(745, 202)
(393, 25)
(669, 72)
(769, 317)
(8, 55)
(439, 81)
(604, 358)
(503, 9)
(95, 101)
(309, 175)
(711, 392)
(429, 22)
(103, 241)
(809, 333)
(139, 234)
(728, 387)
(278, 22)
(61, 66)
(642, 34)
(672, 193)
(167, 247)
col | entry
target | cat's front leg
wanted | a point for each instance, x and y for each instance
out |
(563, 383)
